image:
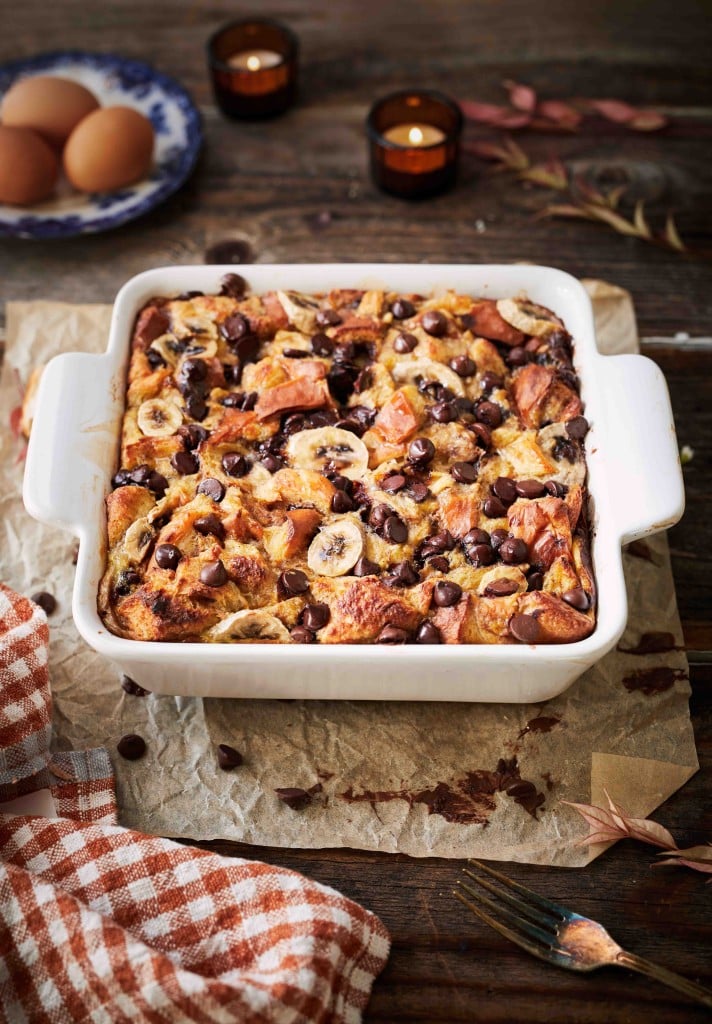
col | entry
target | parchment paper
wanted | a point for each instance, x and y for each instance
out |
(392, 775)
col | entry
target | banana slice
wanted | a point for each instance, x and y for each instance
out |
(251, 624)
(568, 472)
(301, 310)
(206, 348)
(408, 372)
(314, 449)
(158, 418)
(336, 548)
(137, 540)
(166, 348)
(527, 317)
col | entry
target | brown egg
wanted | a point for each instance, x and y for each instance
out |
(110, 148)
(51, 106)
(28, 167)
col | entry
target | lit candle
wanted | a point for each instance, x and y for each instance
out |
(255, 60)
(414, 135)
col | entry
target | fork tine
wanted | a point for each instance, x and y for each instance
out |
(539, 917)
(546, 942)
(535, 948)
(564, 913)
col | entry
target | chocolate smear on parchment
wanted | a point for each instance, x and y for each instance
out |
(469, 800)
(652, 681)
(653, 643)
(543, 723)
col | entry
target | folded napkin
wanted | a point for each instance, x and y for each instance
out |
(101, 923)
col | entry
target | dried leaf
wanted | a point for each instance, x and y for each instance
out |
(615, 823)
(489, 113)
(648, 121)
(702, 854)
(563, 210)
(521, 96)
(640, 221)
(671, 237)
(614, 110)
(613, 197)
(613, 219)
(562, 114)
(552, 174)
(587, 190)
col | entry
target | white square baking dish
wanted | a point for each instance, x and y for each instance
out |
(635, 483)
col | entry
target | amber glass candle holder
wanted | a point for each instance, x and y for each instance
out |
(415, 143)
(253, 64)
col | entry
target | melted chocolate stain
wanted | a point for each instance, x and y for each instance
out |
(541, 724)
(639, 549)
(653, 643)
(469, 800)
(231, 250)
(651, 681)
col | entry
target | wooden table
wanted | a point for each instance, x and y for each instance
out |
(297, 189)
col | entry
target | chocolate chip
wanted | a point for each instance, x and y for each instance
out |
(295, 353)
(444, 540)
(365, 567)
(210, 525)
(131, 687)
(463, 366)
(556, 489)
(192, 435)
(440, 563)
(395, 530)
(517, 356)
(476, 536)
(392, 635)
(393, 483)
(126, 579)
(302, 635)
(489, 413)
(443, 412)
(535, 581)
(577, 598)
(341, 502)
(344, 352)
(194, 369)
(577, 427)
(249, 401)
(233, 401)
(212, 487)
(323, 418)
(402, 309)
(428, 633)
(493, 508)
(155, 359)
(480, 554)
(482, 433)
(352, 425)
(364, 381)
(45, 600)
(530, 489)
(293, 582)
(378, 516)
(405, 342)
(315, 616)
(233, 285)
(131, 746)
(185, 463)
(235, 464)
(446, 593)
(434, 322)
(213, 574)
(341, 379)
(168, 556)
(421, 451)
(321, 344)
(501, 588)
(464, 408)
(235, 327)
(463, 472)
(525, 628)
(402, 575)
(497, 538)
(490, 382)
(328, 318)
(157, 483)
(228, 757)
(418, 491)
(294, 797)
(513, 551)
(505, 489)
(196, 407)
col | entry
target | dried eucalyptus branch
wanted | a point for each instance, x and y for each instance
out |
(613, 823)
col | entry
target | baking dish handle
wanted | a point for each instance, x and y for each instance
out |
(642, 459)
(71, 448)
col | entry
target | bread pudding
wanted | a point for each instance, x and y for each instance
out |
(352, 467)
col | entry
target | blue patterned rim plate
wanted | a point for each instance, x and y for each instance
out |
(114, 81)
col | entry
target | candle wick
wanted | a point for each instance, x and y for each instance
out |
(253, 63)
(415, 136)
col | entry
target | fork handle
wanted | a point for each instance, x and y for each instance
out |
(669, 978)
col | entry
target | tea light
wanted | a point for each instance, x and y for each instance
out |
(414, 140)
(254, 68)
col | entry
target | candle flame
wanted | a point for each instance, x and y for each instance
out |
(253, 63)
(415, 136)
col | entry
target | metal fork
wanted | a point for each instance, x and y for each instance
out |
(556, 934)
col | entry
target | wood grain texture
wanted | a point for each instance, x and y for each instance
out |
(297, 190)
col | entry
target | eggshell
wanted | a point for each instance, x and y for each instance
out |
(110, 148)
(28, 167)
(53, 107)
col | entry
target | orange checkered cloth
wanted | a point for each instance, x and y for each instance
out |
(101, 923)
